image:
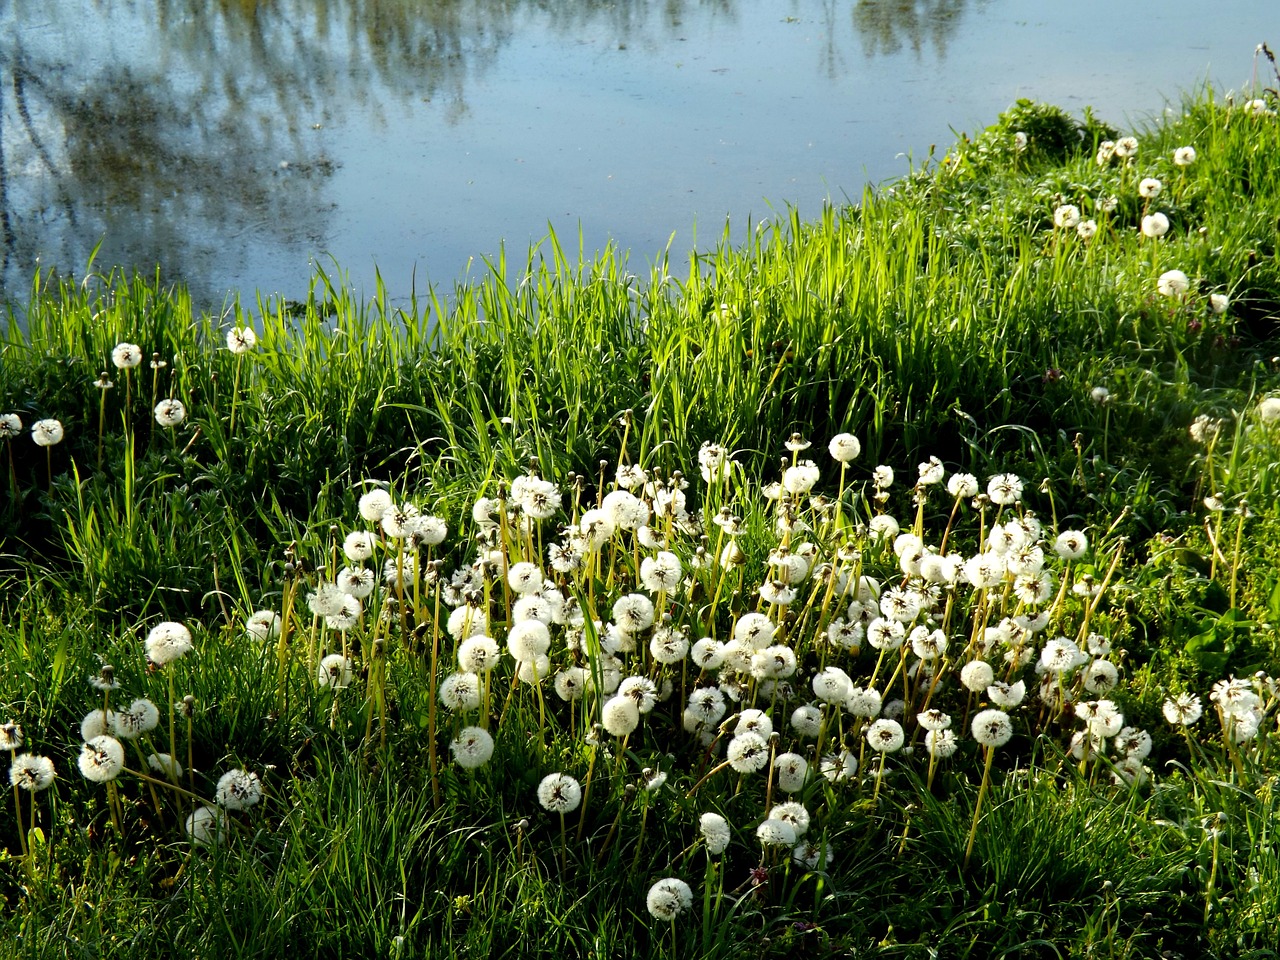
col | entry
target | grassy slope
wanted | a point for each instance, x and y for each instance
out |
(946, 316)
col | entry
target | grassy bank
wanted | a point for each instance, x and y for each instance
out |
(349, 612)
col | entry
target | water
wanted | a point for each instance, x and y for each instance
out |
(237, 143)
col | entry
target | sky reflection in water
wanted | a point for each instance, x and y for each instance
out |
(237, 142)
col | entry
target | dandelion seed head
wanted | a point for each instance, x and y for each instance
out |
(885, 736)
(792, 771)
(559, 793)
(373, 505)
(170, 413)
(263, 625)
(792, 813)
(1173, 283)
(715, 832)
(240, 340)
(168, 641)
(126, 356)
(748, 752)
(101, 758)
(205, 825)
(141, 717)
(165, 765)
(479, 654)
(844, 447)
(10, 426)
(941, 743)
(668, 898)
(992, 728)
(620, 716)
(472, 747)
(334, 672)
(10, 735)
(776, 833)
(238, 790)
(31, 772)
(47, 432)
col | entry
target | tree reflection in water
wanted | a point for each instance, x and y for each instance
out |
(885, 26)
(194, 134)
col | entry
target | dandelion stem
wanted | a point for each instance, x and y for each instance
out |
(17, 812)
(977, 809)
(709, 774)
(432, 756)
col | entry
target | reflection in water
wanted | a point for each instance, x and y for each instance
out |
(216, 136)
(887, 25)
(189, 133)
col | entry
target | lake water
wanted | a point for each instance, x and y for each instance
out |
(237, 143)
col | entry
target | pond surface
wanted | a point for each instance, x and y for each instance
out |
(236, 143)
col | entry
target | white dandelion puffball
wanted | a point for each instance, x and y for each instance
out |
(941, 743)
(374, 504)
(779, 833)
(715, 832)
(479, 654)
(204, 826)
(1184, 156)
(170, 413)
(101, 759)
(1066, 216)
(792, 770)
(96, 723)
(792, 813)
(1269, 410)
(620, 715)
(126, 356)
(1007, 695)
(31, 772)
(1126, 147)
(806, 721)
(1155, 225)
(668, 898)
(1005, 489)
(472, 747)
(241, 340)
(885, 735)
(844, 447)
(164, 765)
(1173, 283)
(748, 752)
(992, 728)
(238, 790)
(529, 640)
(1218, 302)
(334, 672)
(10, 426)
(977, 675)
(263, 625)
(142, 717)
(358, 545)
(10, 735)
(1149, 188)
(460, 692)
(1071, 544)
(46, 433)
(357, 582)
(559, 793)
(167, 642)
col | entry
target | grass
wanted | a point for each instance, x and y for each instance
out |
(945, 316)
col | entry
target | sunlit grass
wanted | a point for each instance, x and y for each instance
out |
(948, 316)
